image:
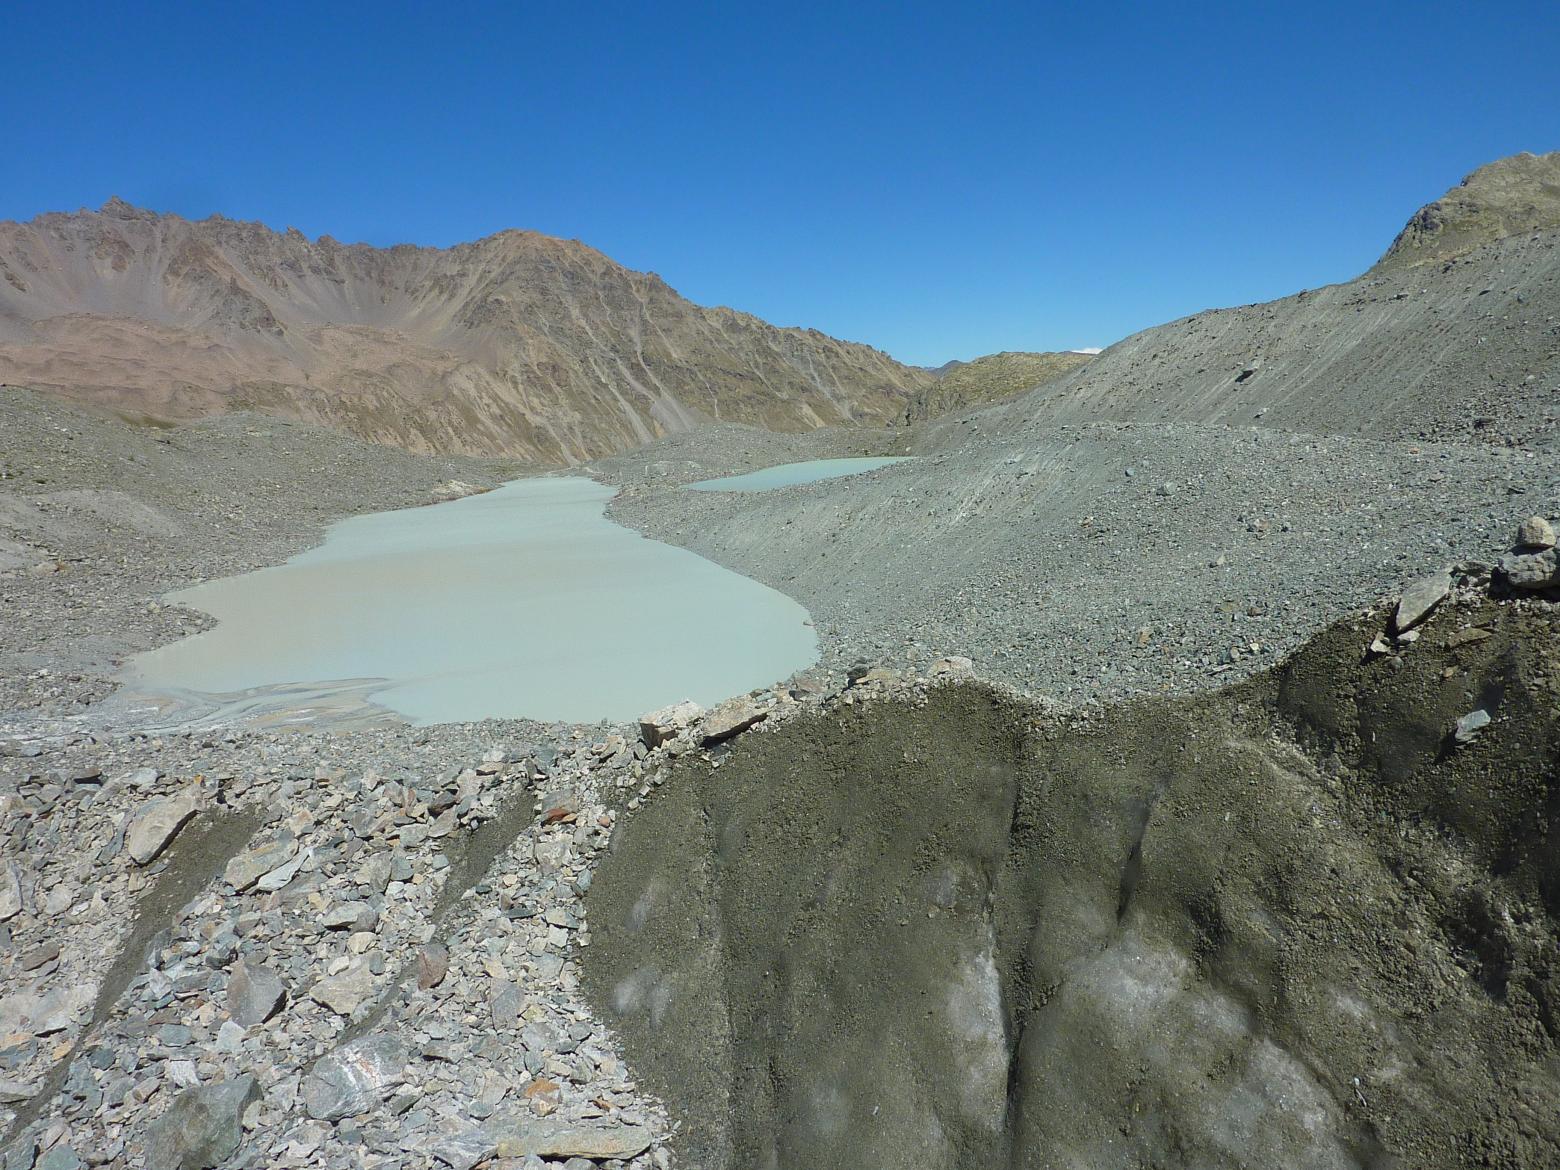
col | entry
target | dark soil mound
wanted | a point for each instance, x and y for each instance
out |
(1290, 924)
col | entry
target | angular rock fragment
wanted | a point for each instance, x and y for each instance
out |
(202, 1128)
(355, 1078)
(1469, 726)
(10, 892)
(248, 868)
(1420, 598)
(658, 727)
(155, 826)
(255, 994)
(875, 674)
(43, 1014)
(731, 718)
(15, 1092)
(60, 1157)
(524, 1138)
(346, 992)
(433, 961)
(350, 916)
(538, 1138)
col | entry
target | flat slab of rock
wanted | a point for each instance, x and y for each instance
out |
(45, 1013)
(659, 727)
(10, 892)
(248, 868)
(540, 1138)
(525, 1139)
(345, 992)
(202, 1128)
(1420, 598)
(731, 718)
(355, 1078)
(156, 825)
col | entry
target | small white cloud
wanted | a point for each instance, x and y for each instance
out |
(1088, 349)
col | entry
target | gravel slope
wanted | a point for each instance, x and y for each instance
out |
(1151, 524)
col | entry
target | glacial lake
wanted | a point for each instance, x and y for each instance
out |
(791, 474)
(521, 602)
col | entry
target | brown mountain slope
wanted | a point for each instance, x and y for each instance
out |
(1504, 198)
(1466, 348)
(989, 379)
(517, 344)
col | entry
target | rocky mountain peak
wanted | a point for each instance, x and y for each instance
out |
(1507, 197)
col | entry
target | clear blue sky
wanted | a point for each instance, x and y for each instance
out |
(937, 179)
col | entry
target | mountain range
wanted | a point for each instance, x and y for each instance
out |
(518, 344)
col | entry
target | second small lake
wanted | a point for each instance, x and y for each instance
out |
(791, 474)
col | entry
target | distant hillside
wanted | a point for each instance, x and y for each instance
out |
(1465, 347)
(1505, 198)
(989, 379)
(518, 344)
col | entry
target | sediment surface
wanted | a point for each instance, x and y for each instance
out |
(1292, 924)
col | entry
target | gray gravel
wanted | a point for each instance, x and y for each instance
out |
(1090, 562)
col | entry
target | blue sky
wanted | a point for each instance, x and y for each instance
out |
(939, 180)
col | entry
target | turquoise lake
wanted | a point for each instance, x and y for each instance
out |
(521, 602)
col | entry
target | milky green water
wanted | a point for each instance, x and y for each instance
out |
(522, 602)
(790, 474)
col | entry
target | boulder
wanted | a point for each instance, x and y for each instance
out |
(156, 825)
(658, 727)
(355, 1078)
(1535, 533)
(202, 1128)
(1531, 570)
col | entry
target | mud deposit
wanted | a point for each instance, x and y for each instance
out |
(1288, 924)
